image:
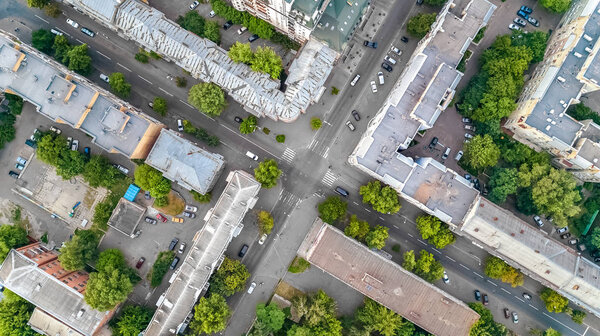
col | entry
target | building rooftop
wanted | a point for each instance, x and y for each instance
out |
(43, 323)
(386, 282)
(185, 163)
(23, 276)
(126, 217)
(68, 98)
(545, 259)
(205, 254)
(103, 9)
(339, 20)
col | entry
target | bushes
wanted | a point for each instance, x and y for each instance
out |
(496, 268)
(315, 123)
(180, 81)
(298, 265)
(195, 23)
(208, 98)
(200, 133)
(201, 198)
(142, 57)
(479, 35)
(420, 24)
(263, 60)
(159, 105)
(160, 267)
(280, 138)
(8, 118)
(581, 112)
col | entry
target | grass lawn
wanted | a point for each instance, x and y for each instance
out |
(175, 207)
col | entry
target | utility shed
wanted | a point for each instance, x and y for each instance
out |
(386, 282)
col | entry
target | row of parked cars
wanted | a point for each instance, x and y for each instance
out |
(521, 22)
(507, 314)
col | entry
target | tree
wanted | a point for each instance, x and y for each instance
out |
(192, 21)
(551, 332)
(409, 262)
(357, 228)
(119, 85)
(79, 60)
(496, 268)
(230, 278)
(265, 222)
(420, 24)
(61, 49)
(332, 208)
(210, 315)
(14, 315)
(376, 238)
(315, 123)
(481, 152)
(241, 53)
(98, 172)
(71, 163)
(267, 173)
(209, 98)
(266, 60)
(42, 40)
(486, 324)
(436, 232)
(132, 320)
(107, 288)
(384, 200)
(211, 31)
(435, 2)
(428, 268)
(50, 148)
(79, 251)
(581, 112)
(320, 308)
(11, 236)
(536, 41)
(52, 10)
(248, 125)
(577, 316)
(504, 182)
(556, 6)
(159, 105)
(375, 317)
(152, 180)
(160, 267)
(201, 198)
(555, 303)
(37, 3)
(270, 316)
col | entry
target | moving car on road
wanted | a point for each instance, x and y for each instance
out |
(526, 296)
(370, 44)
(355, 80)
(445, 278)
(106, 79)
(88, 32)
(252, 156)
(342, 191)
(356, 115)
(262, 239)
(238, 119)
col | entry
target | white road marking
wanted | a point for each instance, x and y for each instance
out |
(422, 242)
(493, 283)
(80, 41)
(144, 79)
(288, 155)
(184, 102)
(42, 19)
(367, 210)
(564, 325)
(451, 259)
(124, 67)
(245, 139)
(479, 275)
(381, 218)
(329, 178)
(410, 235)
(313, 142)
(165, 91)
(465, 267)
(586, 330)
(396, 226)
(103, 55)
(326, 154)
(436, 250)
(504, 290)
(532, 306)
(355, 202)
(520, 299)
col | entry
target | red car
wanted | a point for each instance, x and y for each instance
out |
(140, 262)
(161, 218)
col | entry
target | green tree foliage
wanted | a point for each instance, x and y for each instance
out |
(241, 53)
(436, 232)
(420, 24)
(11, 236)
(428, 268)
(271, 316)
(53, 150)
(435, 2)
(551, 332)
(265, 222)
(192, 21)
(581, 112)
(61, 49)
(37, 3)
(556, 6)
(248, 125)
(79, 251)
(79, 60)
(160, 267)
(280, 138)
(107, 288)
(152, 180)
(266, 60)
(486, 324)
(71, 163)
(230, 278)
(357, 229)
(132, 320)
(210, 315)
(536, 41)
(200, 133)
(375, 317)
(267, 173)
(376, 237)
(211, 31)
(159, 105)
(481, 152)
(14, 315)
(496, 268)
(317, 311)
(15, 103)
(552, 191)
(409, 261)
(503, 182)
(52, 10)
(142, 57)
(578, 316)
(332, 208)
(201, 198)
(525, 202)
(209, 98)
(298, 265)
(555, 303)
(119, 85)
(382, 199)
(315, 123)
(7, 120)
(594, 238)
(180, 81)
(42, 40)
(98, 172)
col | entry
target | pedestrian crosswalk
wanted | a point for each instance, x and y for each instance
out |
(289, 198)
(288, 155)
(329, 178)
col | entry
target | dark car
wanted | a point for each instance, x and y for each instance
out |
(526, 9)
(355, 115)
(88, 32)
(476, 184)
(419, 2)
(477, 295)
(243, 251)
(189, 214)
(370, 44)
(13, 174)
(174, 263)
(342, 191)
(238, 119)
(227, 25)
(387, 67)
(433, 143)
(87, 152)
(252, 38)
(404, 39)
(523, 15)
(506, 313)
(485, 300)
(147, 194)
(597, 259)
(31, 143)
(150, 220)
(173, 244)
(140, 262)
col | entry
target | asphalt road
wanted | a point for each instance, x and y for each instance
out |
(314, 164)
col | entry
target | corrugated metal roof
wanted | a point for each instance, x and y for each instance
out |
(131, 192)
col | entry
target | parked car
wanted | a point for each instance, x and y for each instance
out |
(404, 39)
(31, 144)
(174, 263)
(140, 262)
(520, 22)
(227, 25)
(212, 14)
(190, 208)
(55, 130)
(526, 9)
(458, 156)
(177, 219)
(73, 23)
(565, 235)
(35, 135)
(370, 44)
(515, 317)
(56, 32)
(181, 248)
(597, 259)
(373, 87)
(122, 169)
(533, 21)
(342, 191)
(189, 214)
(506, 313)
(467, 177)
(242, 30)
(173, 244)
(252, 156)
(381, 78)
(75, 145)
(350, 125)
(562, 229)
(253, 38)
(19, 166)
(356, 115)
(468, 136)
(387, 67)
(262, 239)
(150, 220)
(538, 220)
(433, 143)
(445, 278)
(13, 174)
(21, 160)
(251, 288)
(243, 251)
(466, 120)
(355, 80)
(446, 153)
(194, 4)
(180, 125)
(238, 119)
(396, 51)
(147, 194)
(470, 128)
(513, 26)
(69, 140)
(485, 300)
(106, 79)
(477, 295)
(88, 32)
(526, 296)
(161, 218)
(419, 2)
(523, 14)
(572, 241)
(390, 60)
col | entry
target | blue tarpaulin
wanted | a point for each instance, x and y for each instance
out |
(131, 192)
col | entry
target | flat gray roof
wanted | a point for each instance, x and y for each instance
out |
(205, 254)
(126, 217)
(386, 282)
(103, 9)
(339, 20)
(185, 163)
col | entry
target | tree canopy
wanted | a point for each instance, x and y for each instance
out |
(581, 112)
(496, 268)
(270, 316)
(14, 315)
(426, 266)
(241, 53)
(377, 236)
(556, 6)
(52, 149)
(99, 172)
(503, 182)
(37, 3)
(382, 199)
(79, 60)
(315, 123)
(107, 288)
(152, 180)
(375, 317)
(79, 251)
(357, 229)
(266, 60)
(481, 152)
(536, 41)
(420, 24)
(159, 105)
(265, 222)
(132, 320)
(332, 208)
(119, 85)
(248, 126)
(267, 173)
(208, 98)
(42, 40)
(230, 278)
(486, 324)
(555, 303)
(11, 236)
(210, 315)
(436, 232)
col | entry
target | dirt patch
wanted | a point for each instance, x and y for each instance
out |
(287, 291)
(176, 205)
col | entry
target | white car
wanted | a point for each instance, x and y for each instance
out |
(468, 135)
(396, 51)
(179, 125)
(458, 156)
(181, 248)
(355, 80)
(373, 87)
(194, 4)
(445, 278)
(251, 288)
(513, 26)
(104, 77)
(212, 14)
(380, 76)
(190, 208)
(73, 23)
(75, 145)
(262, 239)
(390, 60)
(55, 130)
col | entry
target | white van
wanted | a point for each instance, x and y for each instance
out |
(380, 76)
(242, 30)
(180, 125)
(446, 153)
(355, 80)
(252, 155)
